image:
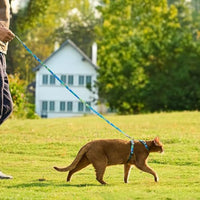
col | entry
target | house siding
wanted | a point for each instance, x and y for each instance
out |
(65, 62)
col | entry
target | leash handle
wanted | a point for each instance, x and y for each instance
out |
(71, 91)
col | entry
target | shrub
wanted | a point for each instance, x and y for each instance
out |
(22, 107)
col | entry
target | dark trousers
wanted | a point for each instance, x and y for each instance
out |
(6, 104)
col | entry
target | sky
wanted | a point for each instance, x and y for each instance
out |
(17, 3)
(20, 3)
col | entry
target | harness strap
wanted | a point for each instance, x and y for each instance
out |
(132, 150)
(145, 144)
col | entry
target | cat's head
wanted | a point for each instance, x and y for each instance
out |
(157, 146)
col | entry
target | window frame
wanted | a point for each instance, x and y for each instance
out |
(46, 106)
(45, 79)
(52, 80)
(86, 108)
(62, 103)
(51, 106)
(88, 83)
(81, 80)
(80, 105)
(65, 78)
(70, 80)
(69, 106)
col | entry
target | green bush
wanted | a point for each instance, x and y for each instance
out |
(148, 57)
(22, 107)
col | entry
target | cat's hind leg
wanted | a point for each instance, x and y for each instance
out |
(100, 170)
(99, 162)
(84, 162)
(100, 167)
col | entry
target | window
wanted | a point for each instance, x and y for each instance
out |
(86, 108)
(88, 82)
(63, 78)
(81, 80)
(44, 105)
(52, 80)
(62, 106)
(44, 79)
(70, 80)
(80, 106)
(69, 106)
(51, 105)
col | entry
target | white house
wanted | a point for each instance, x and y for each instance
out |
(74, 68)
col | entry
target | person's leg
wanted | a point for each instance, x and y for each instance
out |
(1, 84)
(6, 104)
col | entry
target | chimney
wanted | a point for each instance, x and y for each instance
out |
(94, 53)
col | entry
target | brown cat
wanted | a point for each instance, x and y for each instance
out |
(103, 153)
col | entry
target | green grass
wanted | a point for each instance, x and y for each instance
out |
(30, 148)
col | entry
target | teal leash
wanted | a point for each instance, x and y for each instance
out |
(132, 150)
(71, 91)
(145, 144)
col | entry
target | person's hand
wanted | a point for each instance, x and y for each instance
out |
(6, 35)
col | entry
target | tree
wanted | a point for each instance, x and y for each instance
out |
(148, 56)
(22, 106)
(38, 24)
(79, 26)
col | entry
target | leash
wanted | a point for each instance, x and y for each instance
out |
(72, 92)
(145, 144)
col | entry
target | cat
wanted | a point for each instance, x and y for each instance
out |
(103, 153)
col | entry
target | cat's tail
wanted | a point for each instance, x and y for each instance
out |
(79, 156)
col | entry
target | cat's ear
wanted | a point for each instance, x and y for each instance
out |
(156, 141)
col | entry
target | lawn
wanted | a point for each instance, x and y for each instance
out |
(30, 148)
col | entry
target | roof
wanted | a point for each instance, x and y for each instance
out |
(68, 42)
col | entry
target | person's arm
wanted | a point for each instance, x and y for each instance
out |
(6, 35)
(5, 13)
